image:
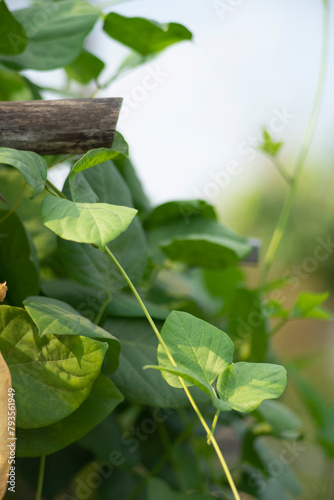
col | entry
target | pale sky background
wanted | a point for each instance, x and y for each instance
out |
(218, 91)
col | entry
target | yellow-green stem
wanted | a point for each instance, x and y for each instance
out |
(286, 210)
(171, 359)
(40, 479)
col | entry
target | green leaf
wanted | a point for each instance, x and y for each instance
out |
(142, 35)
(247, 325)
(189, 232)
(283, 421)
(14, 87)
(102, 400)
(29, 211)
(157, 488)
(269, 146)
(57, 31)
(95, 157)
(193, 379)
(211, 252)
(195, 345)
(245, 385)
(51, 377)
(130, 248)
(18, 265)
(85, 68)
(13, 37)
(179, 210)
(139, 348)
(32, 166)
(126, 169)
(97, 223)
(308, 306)
(53, 317)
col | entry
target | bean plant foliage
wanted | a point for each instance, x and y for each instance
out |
(121, 318)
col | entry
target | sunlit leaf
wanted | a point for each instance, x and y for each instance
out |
(245, 385)
(97, 223)
(53, 317)
(195, 345)
(51, 377)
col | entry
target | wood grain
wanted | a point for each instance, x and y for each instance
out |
(61, 126)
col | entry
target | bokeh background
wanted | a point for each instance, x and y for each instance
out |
(250, 63)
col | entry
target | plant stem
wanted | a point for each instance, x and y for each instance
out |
(286, 209)
(281, 169)
(102, 309)
(171, 359)
(18, 201)
(214, 423)
(40, 479)
(56, 190)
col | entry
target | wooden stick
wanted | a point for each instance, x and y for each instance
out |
(60, 126)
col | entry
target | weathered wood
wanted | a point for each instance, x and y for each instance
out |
(60, 126)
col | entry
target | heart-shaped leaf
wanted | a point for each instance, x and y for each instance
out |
(54, 317)
(96, 223)
(32, 166)
(139, 347)
(102, 400)
(142, 35)
(52, 377)
(195, 345)
(245, 385)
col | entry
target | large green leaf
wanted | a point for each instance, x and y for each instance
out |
(56, 31)
(13, 37)
(97, 223)
(18, 265)
(142, 35)
(195, 345)
(211, 252)
(139, 348)
(102, 400)
(245, 385)
(86, 264)
(85, 68)
(32, 166)
(53, 317)
(189, 232)
(52, 377)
